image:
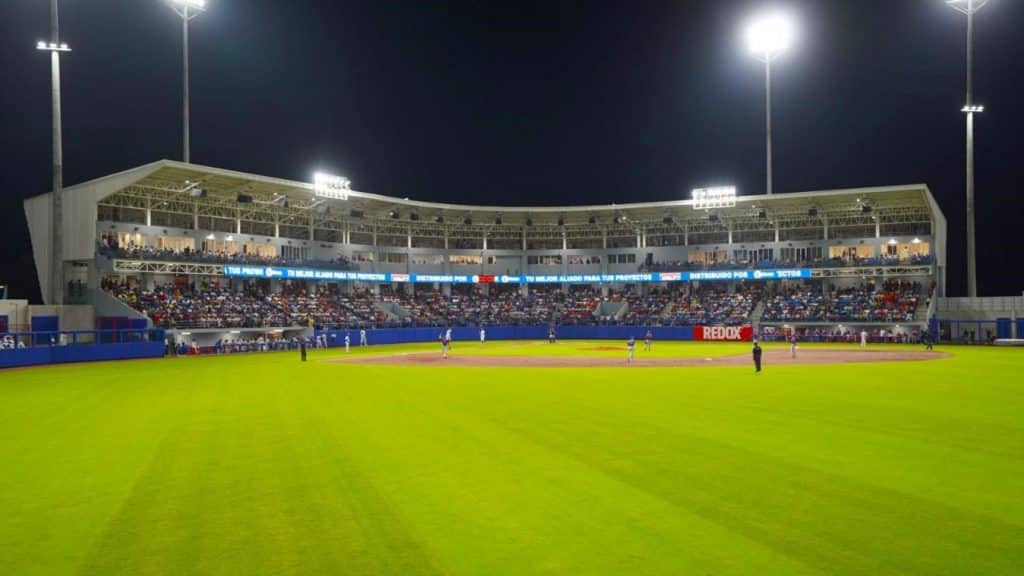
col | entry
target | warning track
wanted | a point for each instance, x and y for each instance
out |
(770, 358)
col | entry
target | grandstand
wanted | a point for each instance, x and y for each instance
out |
(188, 247)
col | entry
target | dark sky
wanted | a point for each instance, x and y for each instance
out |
(527, 102)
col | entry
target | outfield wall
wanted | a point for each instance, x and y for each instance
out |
(82, 346)
(410, 335)
(69, 354)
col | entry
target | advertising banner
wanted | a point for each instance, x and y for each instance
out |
(723, 333)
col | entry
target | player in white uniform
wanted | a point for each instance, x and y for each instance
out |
(863, 338)
(483, 335)
(362, 337)
(631, 345)
(444, 345)
(347, 342)
(448, 337)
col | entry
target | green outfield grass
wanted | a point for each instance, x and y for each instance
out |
(260, 464)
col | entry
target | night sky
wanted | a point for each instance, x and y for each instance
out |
(527, 102)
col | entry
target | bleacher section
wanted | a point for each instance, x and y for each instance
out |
(299, 304)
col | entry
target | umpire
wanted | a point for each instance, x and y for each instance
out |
(302, 348)
(757, 357)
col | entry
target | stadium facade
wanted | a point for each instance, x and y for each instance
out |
(169, 223)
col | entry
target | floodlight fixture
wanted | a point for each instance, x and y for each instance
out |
(330, 186)
(967, 6)
(53, 46)
(716, 197)
(770, 35)
(197, 4)
(972, 109)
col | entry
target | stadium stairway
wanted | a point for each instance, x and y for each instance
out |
(108, 306)
(755, 315)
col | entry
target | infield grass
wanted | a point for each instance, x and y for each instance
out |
(260, 464)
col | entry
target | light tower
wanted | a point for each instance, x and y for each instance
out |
(55, 47)
(970, 8)
(768, 37)
(188, 10)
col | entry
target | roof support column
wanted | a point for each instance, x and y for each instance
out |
(409, 239)
(149, 211)
(277, 225)
(730, 232)
(195, 215)
(776, 232)
(878, 228)
(238, 221)
(825, 220)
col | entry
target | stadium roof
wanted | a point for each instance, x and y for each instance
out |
(173, 186)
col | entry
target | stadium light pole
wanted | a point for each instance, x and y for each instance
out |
(55, 47)
(768, 37)
(970, 8)
(188, 10)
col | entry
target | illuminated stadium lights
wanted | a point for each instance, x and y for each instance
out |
(916, 241)
(970, 8)
(188, 10)
(717, 197)
(769, 36)
(331, 186)
(55, 290)
(53, 46)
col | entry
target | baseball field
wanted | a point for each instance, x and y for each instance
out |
(391, 461)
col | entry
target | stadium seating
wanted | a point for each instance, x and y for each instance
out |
(206, 257)
(296, 304)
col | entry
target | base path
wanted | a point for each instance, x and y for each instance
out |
(769, 359)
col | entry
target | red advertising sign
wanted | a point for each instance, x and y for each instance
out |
(723, 333)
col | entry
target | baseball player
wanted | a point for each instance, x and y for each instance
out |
(483, 335)
(631, 345)
(348, 341)
(757, 357)
(863, 338)
(792, 345)
(443, 337)
(551, 336)
(647, 341)
(448, 337)
(362, 336)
